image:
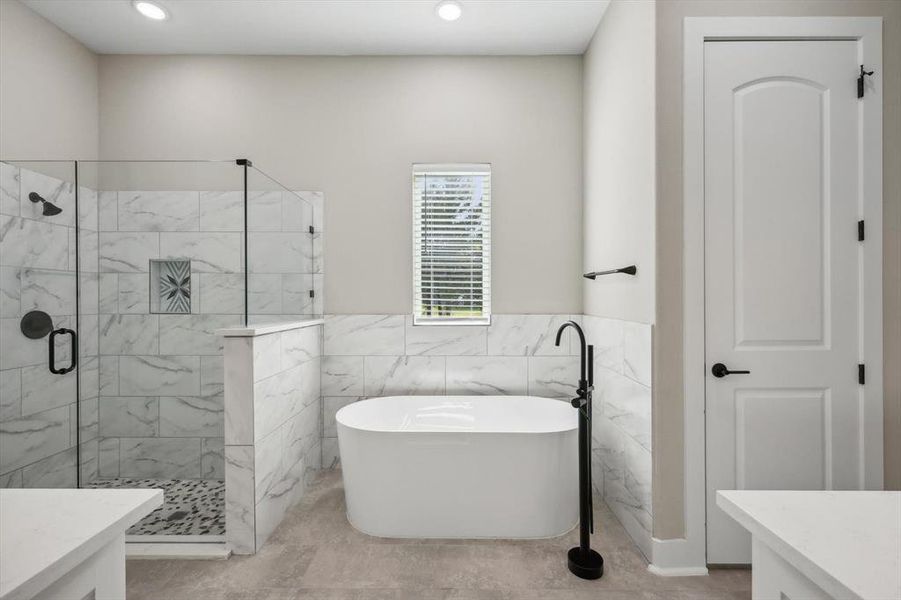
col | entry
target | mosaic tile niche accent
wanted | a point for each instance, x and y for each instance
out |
(170, 286)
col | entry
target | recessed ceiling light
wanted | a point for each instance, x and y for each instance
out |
(449, 10)
(150, 10)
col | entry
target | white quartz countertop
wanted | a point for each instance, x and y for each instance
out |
(46, 533)
(847, 542)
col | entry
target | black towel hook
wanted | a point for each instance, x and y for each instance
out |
(860, 82)
(630, 270)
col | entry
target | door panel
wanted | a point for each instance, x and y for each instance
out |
(780, 439)
(781, 272)
(779, 145)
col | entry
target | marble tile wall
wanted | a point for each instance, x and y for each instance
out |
(156, 418)
(161, 407)
(38, 272)
(621, 433)
(381, 355)
(272, 429)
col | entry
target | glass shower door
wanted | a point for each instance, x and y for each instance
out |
(40, 225)
(168, 263)
(283, 251)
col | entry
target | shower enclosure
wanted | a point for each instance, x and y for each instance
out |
(114, 278)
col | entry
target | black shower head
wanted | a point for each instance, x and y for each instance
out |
(50, 209)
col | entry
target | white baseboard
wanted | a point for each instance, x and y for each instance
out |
(179, 550)
(677, 558)
(677, 571)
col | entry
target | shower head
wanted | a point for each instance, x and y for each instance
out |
(50, 209)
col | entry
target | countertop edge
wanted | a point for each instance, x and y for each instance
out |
(792, 555)
(65, 563)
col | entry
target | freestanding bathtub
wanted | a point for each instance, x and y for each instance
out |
(460, 466)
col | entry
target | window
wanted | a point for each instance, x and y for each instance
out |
(451, 244)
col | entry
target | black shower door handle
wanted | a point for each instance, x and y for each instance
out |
(73, 361)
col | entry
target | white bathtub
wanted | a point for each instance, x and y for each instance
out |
(460, 466)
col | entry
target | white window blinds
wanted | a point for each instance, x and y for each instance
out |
(451, 244)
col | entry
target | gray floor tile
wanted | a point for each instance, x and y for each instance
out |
(316, 555)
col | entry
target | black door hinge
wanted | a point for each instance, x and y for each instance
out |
(860, 231)
(863, 74)
(312, 230)
(312, 293)
(861, 374)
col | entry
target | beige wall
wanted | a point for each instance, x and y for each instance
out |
(48, 90)
(352, 126)
(619, 163)
(668, 413)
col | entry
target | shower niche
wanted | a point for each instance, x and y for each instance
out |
(170, 287)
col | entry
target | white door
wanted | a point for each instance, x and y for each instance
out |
(783, 280)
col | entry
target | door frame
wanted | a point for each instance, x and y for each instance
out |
(867, 31)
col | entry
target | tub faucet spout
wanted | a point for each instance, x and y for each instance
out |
(583, 380)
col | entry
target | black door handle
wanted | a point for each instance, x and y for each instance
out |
(73, 361)
(720, 370)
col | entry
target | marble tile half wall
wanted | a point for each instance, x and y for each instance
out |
(272, 427)
(621, 431)
(376, 355)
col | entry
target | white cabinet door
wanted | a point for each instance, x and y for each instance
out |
(783, 278)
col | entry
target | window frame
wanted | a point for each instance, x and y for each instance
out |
(437, 169)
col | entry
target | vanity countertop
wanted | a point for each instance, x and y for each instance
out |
(846, 542)
(44, 534)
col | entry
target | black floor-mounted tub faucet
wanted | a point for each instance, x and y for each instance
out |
(582, 560)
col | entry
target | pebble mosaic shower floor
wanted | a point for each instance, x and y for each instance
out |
(191, 506)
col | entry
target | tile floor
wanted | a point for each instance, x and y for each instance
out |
(315, 554)
(191, 506)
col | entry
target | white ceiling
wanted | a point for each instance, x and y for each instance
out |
(329, 27)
